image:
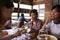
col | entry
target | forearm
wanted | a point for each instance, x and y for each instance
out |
(9, 37)
(44, 26)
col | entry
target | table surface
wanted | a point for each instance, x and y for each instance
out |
(21, 37)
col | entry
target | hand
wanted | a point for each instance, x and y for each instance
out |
(18, 33)
(4, 33)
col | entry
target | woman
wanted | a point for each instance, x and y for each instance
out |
(35, 24)
(6, 8)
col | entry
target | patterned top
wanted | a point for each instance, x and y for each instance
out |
(37, 27)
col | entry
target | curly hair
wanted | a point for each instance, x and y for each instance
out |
(33, 11)
(57, 7)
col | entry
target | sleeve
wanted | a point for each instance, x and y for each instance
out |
(21, 19)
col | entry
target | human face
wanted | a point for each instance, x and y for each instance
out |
(6, 12)
(33, 16)
(55, 14)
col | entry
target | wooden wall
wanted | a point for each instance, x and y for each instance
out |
(48, 6)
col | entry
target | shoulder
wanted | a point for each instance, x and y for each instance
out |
(20, 17)
(49, 24)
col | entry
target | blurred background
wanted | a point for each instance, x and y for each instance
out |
(24, 6)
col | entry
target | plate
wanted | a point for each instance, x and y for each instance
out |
(49, 37)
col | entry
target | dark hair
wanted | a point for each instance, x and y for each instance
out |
(22, 15)
(57, 7)
(33, 11)
(5, 3)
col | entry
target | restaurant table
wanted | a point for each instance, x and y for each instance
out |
(24, 36)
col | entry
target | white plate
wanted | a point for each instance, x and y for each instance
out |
(51, 36)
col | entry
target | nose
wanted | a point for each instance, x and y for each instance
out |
(53, 14)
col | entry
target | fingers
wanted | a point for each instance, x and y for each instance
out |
(18, 33)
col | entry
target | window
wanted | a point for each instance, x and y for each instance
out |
(35, 7)
(26, 15)
(41, 18)
(15, 5)
(14, 16)
(41, 11)
(40, 8)
(25, 6)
